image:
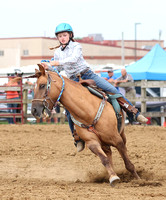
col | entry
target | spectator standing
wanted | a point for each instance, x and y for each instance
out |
(11, 95)
(111, 78)
(130, 92)
(19, 83)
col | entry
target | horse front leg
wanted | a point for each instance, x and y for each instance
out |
(107, 150)
(95, 147)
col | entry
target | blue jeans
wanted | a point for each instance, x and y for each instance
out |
(12, 105)
(103, 84)
(71, 124)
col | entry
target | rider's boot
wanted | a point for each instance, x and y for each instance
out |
(131, 109)
(141, 119)
(79, 143)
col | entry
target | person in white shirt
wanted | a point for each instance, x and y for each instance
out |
(68, 56)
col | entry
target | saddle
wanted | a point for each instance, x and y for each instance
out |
(111, 98)
(114, 99)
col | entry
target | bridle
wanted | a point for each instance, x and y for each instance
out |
(45, 100)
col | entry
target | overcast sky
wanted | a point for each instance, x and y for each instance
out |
(20, 18)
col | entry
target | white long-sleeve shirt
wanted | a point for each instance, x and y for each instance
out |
(71, 59)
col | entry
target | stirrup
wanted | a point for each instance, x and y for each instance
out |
(78, 142)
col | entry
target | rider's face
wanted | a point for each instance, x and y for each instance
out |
(63, 37)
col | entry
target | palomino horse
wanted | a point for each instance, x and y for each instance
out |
(83, 106)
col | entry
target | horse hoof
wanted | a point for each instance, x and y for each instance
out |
(80, 146)
(114, 180)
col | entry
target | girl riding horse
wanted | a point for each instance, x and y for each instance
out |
(68, 56)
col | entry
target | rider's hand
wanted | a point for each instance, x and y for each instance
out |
(54, 63)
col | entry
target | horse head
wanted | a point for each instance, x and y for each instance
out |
(44, 98)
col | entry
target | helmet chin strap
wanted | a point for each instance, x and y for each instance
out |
(63, 48)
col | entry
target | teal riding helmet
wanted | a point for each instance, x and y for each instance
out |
(64, 27)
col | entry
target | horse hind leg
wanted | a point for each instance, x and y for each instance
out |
(121, 147)
(96, 149)
(123, 136)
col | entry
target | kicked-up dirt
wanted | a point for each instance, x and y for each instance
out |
(40, 162)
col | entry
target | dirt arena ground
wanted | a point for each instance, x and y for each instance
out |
(39, 162)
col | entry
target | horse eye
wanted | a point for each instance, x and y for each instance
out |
(42, 86)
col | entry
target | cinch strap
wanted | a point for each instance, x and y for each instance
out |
(97, 117)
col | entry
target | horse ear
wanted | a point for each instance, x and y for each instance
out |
(36, 71)
(36, 75)
(42, 70)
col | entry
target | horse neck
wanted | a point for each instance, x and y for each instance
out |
(75, 98)
(69, 90)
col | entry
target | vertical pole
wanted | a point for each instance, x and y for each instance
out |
(123, 62)
(162, 107)
(160, 32)
(143, 96)
(21, 96)
(25, 99)
(62, 119)
(136, 40)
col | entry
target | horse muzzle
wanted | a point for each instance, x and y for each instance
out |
(40, 111)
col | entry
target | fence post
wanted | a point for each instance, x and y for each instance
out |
(25, 104)
(143, 96)
(62, 119)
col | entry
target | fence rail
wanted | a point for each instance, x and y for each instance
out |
(25, 101)
(143, 99)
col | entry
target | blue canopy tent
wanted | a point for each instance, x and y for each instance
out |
(151, 67)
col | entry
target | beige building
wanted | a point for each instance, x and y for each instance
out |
(19, 52)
